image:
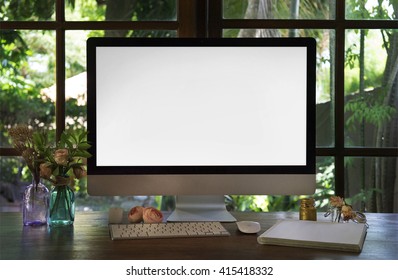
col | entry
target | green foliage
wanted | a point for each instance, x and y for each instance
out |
(325, 182)
(309, 9)
(63, 159)
(11, 170)
(240, 202)
(76, 113)
(17, 90)
(92, 10)
(381, 9)
(26, 9)
(74, 140)
(370, 110)
(368, 106)
(351, 57)
(13, 51)
(325, 175)
(262, 203)
(234, 8)
(357, 9)
(319, 9)
(155, 10)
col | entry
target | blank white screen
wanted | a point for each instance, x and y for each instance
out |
(201, 106)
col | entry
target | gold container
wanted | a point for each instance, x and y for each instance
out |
(307, 209)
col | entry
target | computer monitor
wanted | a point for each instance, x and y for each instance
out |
(201, 118)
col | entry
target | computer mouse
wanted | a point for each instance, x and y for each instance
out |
(248, 226)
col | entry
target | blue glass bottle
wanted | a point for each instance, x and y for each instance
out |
(62, 206)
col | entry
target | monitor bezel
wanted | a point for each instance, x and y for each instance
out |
(309, 43)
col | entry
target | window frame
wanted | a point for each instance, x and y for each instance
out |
(193, 20)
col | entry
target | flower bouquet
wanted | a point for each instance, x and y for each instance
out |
(35, 200)
(341, 211)
(62, 162)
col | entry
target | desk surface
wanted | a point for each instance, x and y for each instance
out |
(89, 239)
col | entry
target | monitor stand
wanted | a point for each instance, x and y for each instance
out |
(200, 208)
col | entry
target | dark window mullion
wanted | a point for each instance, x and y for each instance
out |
(60, 68)
(358, 152)
(215, 19)
(187, 18)
(339, 98)
(121, 25)
(308, 24)
(278, 24)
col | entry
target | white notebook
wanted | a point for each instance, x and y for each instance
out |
(311, 234)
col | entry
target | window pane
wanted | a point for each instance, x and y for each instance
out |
(28, 68)
(371, 183)
(38, 10)
(121, 10)
(325, 181)
(324, 74)
(281, 9)
(371, 9)
(14, 177)
(371, 108)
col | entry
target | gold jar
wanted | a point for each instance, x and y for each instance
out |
(307, 209)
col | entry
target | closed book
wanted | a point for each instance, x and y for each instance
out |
(311, 234)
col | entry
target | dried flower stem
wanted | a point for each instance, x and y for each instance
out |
(22, 140)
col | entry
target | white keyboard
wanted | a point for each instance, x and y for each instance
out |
(167, 230)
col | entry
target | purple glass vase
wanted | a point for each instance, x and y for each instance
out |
(35, 207)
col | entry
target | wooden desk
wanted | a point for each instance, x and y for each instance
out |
(89, 239)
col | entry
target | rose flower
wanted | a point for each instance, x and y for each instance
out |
(347, 212)
(79, 172)
(45, 171)
(135, 214)
(336, 201)
(152, 215)
(61, 156)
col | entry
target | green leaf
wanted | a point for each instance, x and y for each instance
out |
(69, 144)
(83, 136)
(71, 135)
(84, 154)
(37, 139)
(84, 146)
